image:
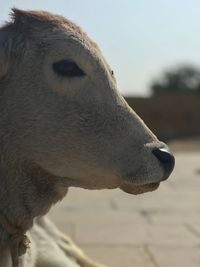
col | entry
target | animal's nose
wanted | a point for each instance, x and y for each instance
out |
(166, 159)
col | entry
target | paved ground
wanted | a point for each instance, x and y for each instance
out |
(159, 229)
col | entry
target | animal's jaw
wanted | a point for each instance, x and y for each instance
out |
(139, 189)
(125, 184)
(127, 187)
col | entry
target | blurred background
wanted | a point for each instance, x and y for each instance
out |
(154, 49)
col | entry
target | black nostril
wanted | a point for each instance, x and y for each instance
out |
(166, 159)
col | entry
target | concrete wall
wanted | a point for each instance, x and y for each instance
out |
(169, 116)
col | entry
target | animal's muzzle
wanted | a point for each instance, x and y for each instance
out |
(166, 159)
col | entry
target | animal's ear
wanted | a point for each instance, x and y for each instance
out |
(19, 17)
(11, 42)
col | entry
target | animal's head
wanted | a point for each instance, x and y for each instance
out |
(63, 114)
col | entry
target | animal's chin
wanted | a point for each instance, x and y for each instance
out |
(139, 189)
(127, 187)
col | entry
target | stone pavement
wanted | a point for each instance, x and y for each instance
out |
(158, 229)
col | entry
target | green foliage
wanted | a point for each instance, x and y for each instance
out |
(183, 79)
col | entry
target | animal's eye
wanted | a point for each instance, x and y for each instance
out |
(67, 68)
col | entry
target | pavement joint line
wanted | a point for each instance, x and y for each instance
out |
(95, 245)
(150, 256)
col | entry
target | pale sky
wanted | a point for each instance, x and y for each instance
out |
(139, 38)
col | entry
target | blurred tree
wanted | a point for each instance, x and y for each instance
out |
(183, 79)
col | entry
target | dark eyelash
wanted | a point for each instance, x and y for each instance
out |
(67, 68)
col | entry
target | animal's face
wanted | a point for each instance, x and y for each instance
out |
(66, 113)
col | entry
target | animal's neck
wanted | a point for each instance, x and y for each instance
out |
(5, 259)
(25, 193)
(14, 215)
(13, 209)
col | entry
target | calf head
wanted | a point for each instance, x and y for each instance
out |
(62, 116)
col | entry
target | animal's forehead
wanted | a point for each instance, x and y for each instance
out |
(38, 22)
